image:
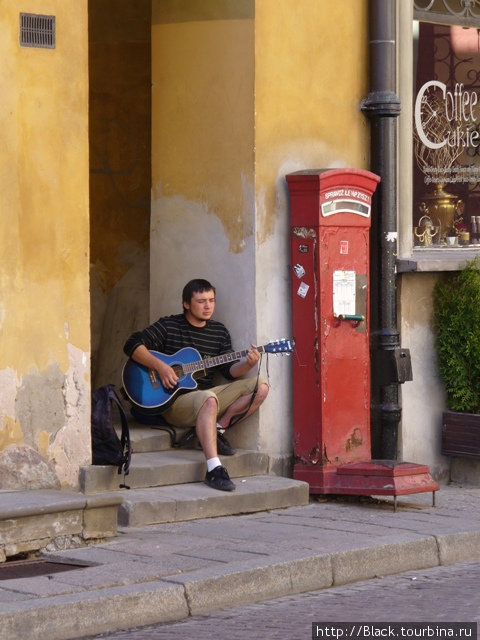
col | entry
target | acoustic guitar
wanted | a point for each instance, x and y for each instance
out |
(144, 388)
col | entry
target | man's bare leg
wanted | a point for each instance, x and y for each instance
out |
(241, 404)
(217, 476)
(206, 429)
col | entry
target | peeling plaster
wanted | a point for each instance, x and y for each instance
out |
(71, 446)
(10, 432)
(237, 228)
(43, 443)
(8, 391)
(50, 412)
(294, 154)
(189, 242)
(39, 403)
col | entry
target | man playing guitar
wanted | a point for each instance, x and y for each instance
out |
(211, 409)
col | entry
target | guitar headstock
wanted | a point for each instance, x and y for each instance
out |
(280, 346)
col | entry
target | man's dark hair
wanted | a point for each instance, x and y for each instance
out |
(196, 286)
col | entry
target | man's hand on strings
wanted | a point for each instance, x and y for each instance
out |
(253, 356)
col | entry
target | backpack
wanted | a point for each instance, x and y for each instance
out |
(107, 447)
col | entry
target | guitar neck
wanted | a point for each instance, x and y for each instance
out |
(214, 361)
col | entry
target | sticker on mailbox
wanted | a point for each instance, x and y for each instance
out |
(344, 247)
(302, 290)
(299, 270)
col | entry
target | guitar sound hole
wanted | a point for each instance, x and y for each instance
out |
(178, 370)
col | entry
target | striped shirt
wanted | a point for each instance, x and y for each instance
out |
(171, 333)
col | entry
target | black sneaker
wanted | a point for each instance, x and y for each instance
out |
(223, 446)
(218, 478)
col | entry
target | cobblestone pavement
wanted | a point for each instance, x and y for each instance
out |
(440, 595)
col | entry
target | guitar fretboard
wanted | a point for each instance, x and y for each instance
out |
(214, 361)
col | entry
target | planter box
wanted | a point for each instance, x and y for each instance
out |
(461, 434)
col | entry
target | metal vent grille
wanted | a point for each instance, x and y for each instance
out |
(37, 31)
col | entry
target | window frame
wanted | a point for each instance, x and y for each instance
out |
(411, 258)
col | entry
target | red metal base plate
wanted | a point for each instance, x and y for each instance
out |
(369, 477)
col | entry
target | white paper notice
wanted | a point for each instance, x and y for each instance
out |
(344, 289)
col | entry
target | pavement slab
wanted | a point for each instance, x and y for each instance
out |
(165, 572)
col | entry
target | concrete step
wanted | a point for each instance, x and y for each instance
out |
(197, 500)
(144, 439)
(174, 466)
(167, 484)
(32, 519)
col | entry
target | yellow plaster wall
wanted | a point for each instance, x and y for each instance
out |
(254, 84)
(44, 187)
(44, 228)
(202, 97)
(311, 65)
(311, 74)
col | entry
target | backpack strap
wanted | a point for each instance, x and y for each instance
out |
(125, 437)
(155, 421)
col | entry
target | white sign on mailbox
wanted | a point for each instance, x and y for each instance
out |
(344, 292)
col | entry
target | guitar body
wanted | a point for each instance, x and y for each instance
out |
(137, 380)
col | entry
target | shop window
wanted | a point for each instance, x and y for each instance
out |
(446, 126)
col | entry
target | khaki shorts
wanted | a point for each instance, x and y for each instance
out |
(183, 412)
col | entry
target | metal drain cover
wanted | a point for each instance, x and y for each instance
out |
(12, 570)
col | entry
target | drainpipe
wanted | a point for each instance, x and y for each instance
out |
(390, 363)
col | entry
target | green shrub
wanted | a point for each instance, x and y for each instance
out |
(456, 310)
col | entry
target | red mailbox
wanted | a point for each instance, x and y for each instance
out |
(330, 223)
(330, 215)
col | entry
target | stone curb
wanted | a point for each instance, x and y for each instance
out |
(206, 590)
(91, 613)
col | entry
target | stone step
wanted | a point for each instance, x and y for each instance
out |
(144, 439)
(166, 483)
(171, 467)
(32, 519)
(197, 500)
